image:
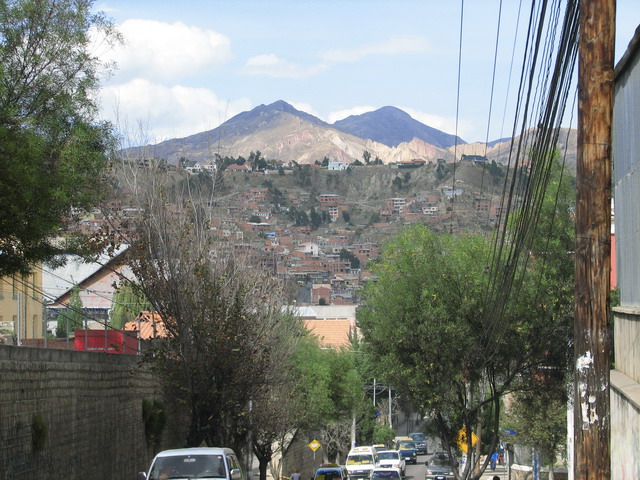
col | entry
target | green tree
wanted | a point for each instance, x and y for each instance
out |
(349, 255)
(325, 162)
(62, 325)
(254, 219)
(53, 148)
(331, 394)
(540, 419)
(128, 302)
(72, 317)
(426, 322)
(366, 156)
(315, 219)
(382, 434)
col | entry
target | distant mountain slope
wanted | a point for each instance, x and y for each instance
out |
(231, 137)
(503, 151)
(392, 126)
(281, 132)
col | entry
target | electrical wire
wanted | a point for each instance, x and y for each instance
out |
(455, 145)
(547, 86)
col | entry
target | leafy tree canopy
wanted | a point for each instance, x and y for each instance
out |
(53, 149)
(426, 322)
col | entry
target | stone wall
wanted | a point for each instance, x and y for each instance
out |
(72, 415)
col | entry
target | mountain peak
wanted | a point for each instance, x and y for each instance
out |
(392, 126)
(281, 106)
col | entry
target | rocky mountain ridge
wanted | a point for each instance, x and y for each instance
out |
(281, 132)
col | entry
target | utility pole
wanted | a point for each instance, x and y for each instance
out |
(593, 249)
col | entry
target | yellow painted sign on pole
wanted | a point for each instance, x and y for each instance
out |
(314, 445)
(462, 440)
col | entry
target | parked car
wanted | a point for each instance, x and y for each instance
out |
(186, 463)
(420, 440)
(408, 451)
(331, 471)
(439, 467)
(385, 474)
(392, 459)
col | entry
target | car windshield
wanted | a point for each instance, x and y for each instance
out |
(385, 475)
(418, 437)
(188, 466)
(407, 446)
(328, 475)
(360, 460)
(441, 459)
(388, 455)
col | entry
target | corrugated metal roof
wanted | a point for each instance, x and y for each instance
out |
(58, 281)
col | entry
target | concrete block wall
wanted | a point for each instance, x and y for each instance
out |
(90, 405)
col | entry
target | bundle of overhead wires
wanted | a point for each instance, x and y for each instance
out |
(545, 87)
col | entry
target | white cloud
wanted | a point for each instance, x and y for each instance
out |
(271, 65)
(404, 44)
(166, 52)
(444, 124)
(341, 114)
(305, 107)
(166, 112)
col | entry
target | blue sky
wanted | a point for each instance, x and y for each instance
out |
(188, 66)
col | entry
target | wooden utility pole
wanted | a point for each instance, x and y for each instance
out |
(593, 248)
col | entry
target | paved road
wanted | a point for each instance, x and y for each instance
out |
(416, 472)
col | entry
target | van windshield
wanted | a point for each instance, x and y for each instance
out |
(388, 455)
(360, 460)
(188, 466)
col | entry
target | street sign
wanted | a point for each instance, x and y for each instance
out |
(462, 440)
(314, 445)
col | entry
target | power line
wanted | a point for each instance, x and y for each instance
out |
(455, 145)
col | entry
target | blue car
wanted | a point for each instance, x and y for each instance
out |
(420, 440)
(408, 452)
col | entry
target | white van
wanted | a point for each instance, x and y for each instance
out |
(186, 463)
(361, 461)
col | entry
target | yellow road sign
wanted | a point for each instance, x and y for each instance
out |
(314, 445)
(462, 440)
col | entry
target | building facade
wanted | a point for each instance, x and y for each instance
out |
(21, 306)
(625, 378)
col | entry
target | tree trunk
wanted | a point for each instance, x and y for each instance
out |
(262, 467)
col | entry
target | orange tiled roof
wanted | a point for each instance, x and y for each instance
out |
(331, 333)
(150, 325)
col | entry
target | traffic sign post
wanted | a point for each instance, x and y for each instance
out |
(314, 445)
(462, 440)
